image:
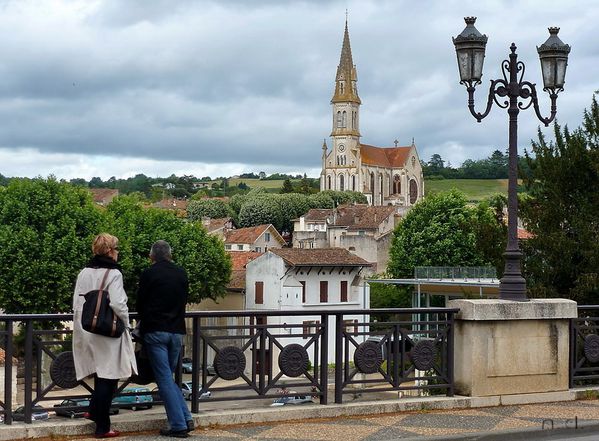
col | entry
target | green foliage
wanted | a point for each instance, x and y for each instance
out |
(46, 228)
(212, 208)
(292, 205)
(442, 230)
(383, 295)
(345, 197)
(562, 212)
(203, 256)
(258, 210)
(321, 200)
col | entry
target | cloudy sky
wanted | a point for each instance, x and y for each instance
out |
(120, 87)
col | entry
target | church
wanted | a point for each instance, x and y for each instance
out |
(386, 175)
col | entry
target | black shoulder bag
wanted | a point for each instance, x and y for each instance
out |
(97, 316)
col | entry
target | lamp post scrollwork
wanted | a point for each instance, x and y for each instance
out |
(511, 92)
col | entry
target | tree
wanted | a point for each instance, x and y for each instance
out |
(292, 205)
(435, 164)
(204, 258)
(46, 231)
(441, 230)
(287, 186)
(562, 212)
(260, 210)
(212, 208)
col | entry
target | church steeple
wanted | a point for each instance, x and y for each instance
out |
(346, 89)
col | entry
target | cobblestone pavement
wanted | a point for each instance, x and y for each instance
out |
(413, 425)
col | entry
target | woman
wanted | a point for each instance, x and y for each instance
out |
(107, 359)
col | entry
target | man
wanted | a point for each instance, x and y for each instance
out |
(161, 300)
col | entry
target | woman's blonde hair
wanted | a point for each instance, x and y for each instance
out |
(104, 243)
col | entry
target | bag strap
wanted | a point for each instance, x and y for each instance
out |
(99, 300)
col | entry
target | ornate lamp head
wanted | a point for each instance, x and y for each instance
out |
(470, 50)
(554, 60)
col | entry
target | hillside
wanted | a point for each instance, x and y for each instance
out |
(474, 189)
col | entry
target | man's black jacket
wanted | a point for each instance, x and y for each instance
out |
(161, 299)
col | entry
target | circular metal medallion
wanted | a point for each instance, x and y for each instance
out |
(294, 360)
(591, 348)
(423, 355)
(368, 357)
(62, 370)
(229, 363)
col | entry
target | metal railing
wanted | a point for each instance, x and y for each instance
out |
(255, 355)
(584, 347)
(455, 272)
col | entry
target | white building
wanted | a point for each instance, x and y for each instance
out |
(291, 279)
(386, 175)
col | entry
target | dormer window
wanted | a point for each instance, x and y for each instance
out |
(341, 88)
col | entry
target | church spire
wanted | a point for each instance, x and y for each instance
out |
(345, 81)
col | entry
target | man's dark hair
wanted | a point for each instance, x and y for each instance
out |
(161, 251)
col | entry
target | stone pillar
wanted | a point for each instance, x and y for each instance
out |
(504, 347)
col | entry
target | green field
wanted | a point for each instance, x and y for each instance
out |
(474, 189)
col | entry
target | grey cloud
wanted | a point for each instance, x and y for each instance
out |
(250, 81)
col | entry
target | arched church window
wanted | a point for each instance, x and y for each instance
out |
(353, 182)
(341, 88)
(413, 191)
(339, 121)
(341, 183)
(353, 120)
(329, 181)
(344, 119)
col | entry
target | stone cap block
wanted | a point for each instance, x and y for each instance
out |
(497, 309)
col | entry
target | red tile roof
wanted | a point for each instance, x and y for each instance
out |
(172, 204)
(318, 257)
(392, 157)
(239, 259)
(249, 235)
(103, 195)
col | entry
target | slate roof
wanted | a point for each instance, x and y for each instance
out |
(318, 257)
(318, 214)
(389, 157)
(362, 217)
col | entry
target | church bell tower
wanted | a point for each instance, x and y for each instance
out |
(342, 164)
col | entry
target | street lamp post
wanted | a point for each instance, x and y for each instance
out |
(470, 49)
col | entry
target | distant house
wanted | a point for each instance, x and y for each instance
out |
(103, 196)
(259, 238)
(364, 230)
(293, 279)
(172, 204)
(218, 227)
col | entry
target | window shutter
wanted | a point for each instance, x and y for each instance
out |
(344, 290)
(324, 291)
(259, 300)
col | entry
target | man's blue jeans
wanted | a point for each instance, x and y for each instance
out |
(164, 350)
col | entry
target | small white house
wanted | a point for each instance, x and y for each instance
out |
(308, 280)
(259, 238)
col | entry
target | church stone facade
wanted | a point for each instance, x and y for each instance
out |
(386, 175)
